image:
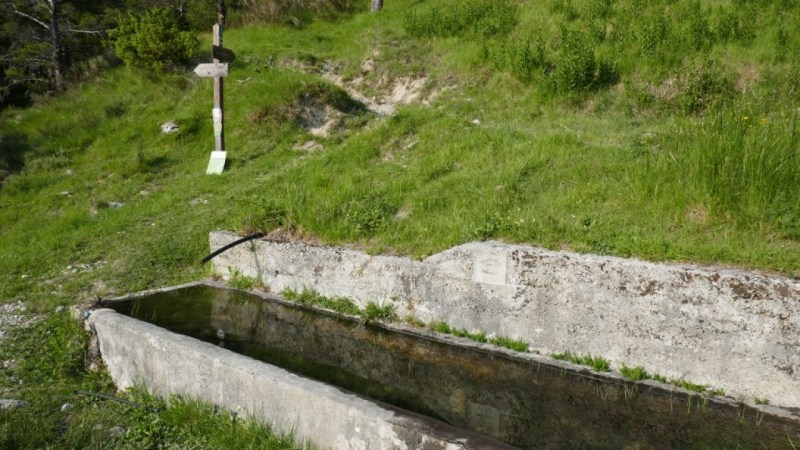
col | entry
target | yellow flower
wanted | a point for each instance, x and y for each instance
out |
(763, 121)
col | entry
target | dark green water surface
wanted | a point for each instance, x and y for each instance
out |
(516, 400)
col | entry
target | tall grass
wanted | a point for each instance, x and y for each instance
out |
(747, 163)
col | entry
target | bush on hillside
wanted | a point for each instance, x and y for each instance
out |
(157, 40)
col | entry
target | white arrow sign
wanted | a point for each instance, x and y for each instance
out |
(211, 70)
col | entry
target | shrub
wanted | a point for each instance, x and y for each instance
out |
(705, 87)
(156, 41)
(576, 67)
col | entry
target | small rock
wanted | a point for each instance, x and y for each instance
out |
(66, 407)
(60, 309)
(169, 127)
(476, 122)
(69, 172)
(13, 404)
(115, 204)
(65, 194)
(116, 431)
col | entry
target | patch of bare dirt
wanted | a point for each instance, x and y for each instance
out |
(389, 93)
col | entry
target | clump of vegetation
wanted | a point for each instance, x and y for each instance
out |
(445, 328)
(311, 297)
(240, 281)
(375, 312)
(159, 40)
(688, 385)
(509, 343)
(597, 363)
(501, 341)
(638, 373)
(267, 215)
(367, 214)
(634, 373)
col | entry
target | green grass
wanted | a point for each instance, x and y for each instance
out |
(480, 336)
(634, 373)
(310, 297)
(638, 373)
(627, 128)
(597, 363)
(241, 281)
(374, 312)
(49, 368)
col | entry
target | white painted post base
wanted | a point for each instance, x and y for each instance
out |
(217, 163)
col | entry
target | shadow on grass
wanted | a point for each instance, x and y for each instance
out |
(13, 147)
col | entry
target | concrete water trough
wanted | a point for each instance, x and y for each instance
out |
(336, 381)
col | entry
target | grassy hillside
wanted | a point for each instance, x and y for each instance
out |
(657, 130)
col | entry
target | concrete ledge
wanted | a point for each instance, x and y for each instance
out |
(729, 329)
(167, 364)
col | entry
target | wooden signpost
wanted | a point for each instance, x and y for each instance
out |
(217, 70)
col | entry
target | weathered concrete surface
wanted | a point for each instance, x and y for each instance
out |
(167, 364)
(729, 329)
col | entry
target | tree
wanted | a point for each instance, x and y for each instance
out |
(39, 37)
(155, 41)
(377, 5)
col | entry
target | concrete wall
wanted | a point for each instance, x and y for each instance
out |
(729, 329)
(168, 364)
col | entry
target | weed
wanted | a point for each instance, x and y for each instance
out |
(240, 281)
(688, 385)
(634, 373)
(310, 297)
(512, 344)
(442, 327)
(374, 312)
(598, 363)
(659, 378)
(501, 341)
(761, 400)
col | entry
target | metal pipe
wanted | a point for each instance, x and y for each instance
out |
(232, 244)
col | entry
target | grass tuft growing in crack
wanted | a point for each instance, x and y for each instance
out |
(597, 363)
(310, 297)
